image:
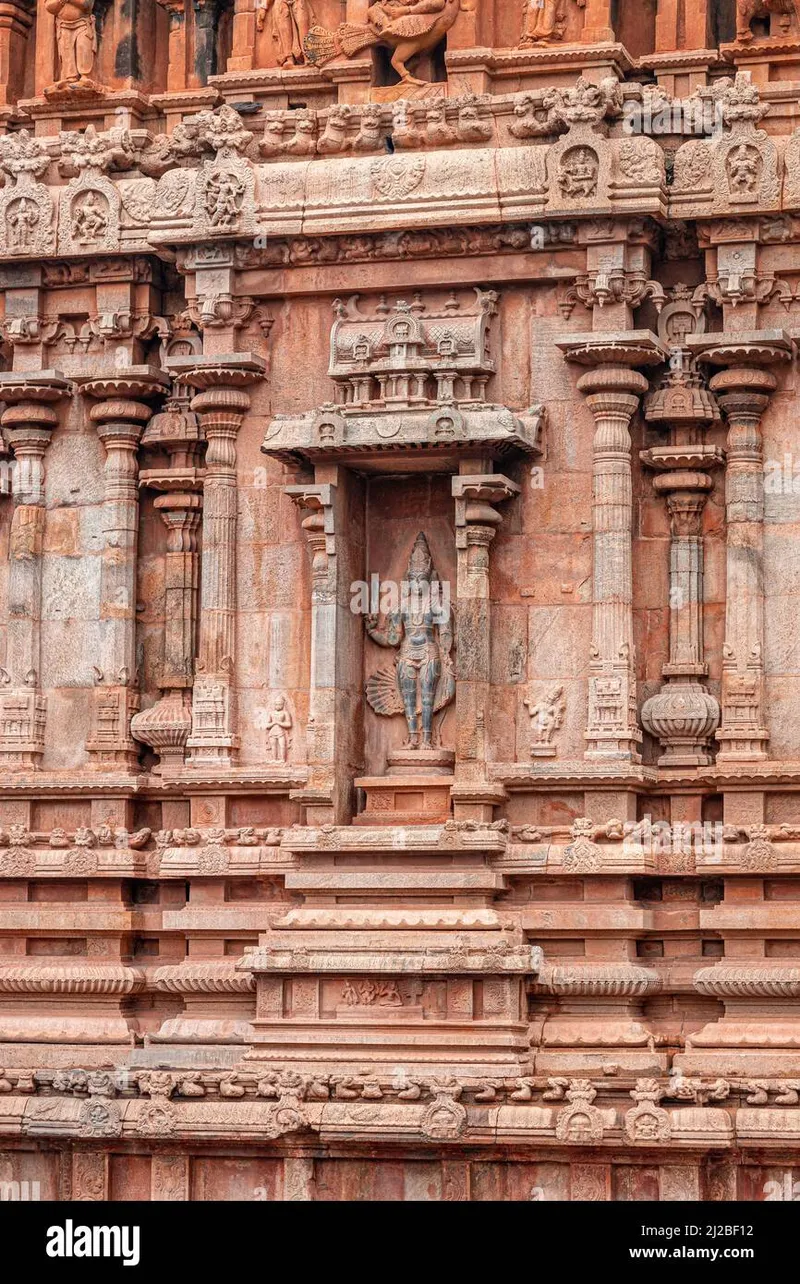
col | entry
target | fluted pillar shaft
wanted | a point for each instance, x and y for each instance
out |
(120, 415)
(213, 740)
(612, 393)
(744, 395)
(28, 423)
(477, 521)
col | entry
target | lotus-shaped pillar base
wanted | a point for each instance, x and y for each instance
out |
(683, 717)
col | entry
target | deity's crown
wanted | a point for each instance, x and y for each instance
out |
(420, 563)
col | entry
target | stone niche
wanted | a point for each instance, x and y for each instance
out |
(407, 453)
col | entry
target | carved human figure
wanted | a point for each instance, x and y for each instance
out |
(89, 219)
(384, 994)
(278, 724)
(579, 170)
(422, 630)
(743, 170)
(544, 21)
(546, 715)
(76, 39)
(291, 22)
(22, 217)
(224, 195)
(407, 27)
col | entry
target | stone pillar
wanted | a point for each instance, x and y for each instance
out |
(743, 388)
(683, 716)
(177, 78)
(336, 644)
(205, 35)
(476, 525)
(28, 423)
(221, 404)
(119, 415)
(16, 20)
(166, 725)
(612, 388)
(681, 26)
(243, 41)
(597, 28)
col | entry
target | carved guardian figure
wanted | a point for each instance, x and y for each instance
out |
(76, 38)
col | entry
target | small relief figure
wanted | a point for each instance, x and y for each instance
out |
(224, 196)
(579, 170)
(743, 165)
(547, 716)
(22, 217)
(278, 725)
(89, 219)
(407, 27)
(544, 21)
(384, 994)
(76, 39)
(423, 681)
(291, 22)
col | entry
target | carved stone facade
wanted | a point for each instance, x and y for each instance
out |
(399, 737)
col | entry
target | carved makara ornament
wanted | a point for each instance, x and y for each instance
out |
(406, 27)
(423, 680)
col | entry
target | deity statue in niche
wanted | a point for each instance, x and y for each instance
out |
(291, 22)
(423, 680)
(278, 726)
(544, 21)
(22, 218)
(76, 40)
(406, 27)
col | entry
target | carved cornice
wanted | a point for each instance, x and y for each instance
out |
(70, 978)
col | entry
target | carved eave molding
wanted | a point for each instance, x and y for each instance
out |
(335, 959)
(679, 1113)
(430, 437)
(75, 978)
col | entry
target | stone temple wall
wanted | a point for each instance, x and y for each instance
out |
(399, 580)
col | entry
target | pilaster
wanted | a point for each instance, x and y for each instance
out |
(28, 423)
(477, 521)
(743, 387)
(683, 716)
(221, 403)
(121, 411)
(612, 387)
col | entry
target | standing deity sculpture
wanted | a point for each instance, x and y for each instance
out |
(278, 726)
(544, 21)
(76, 40)
(291, 22)
(423, 680)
